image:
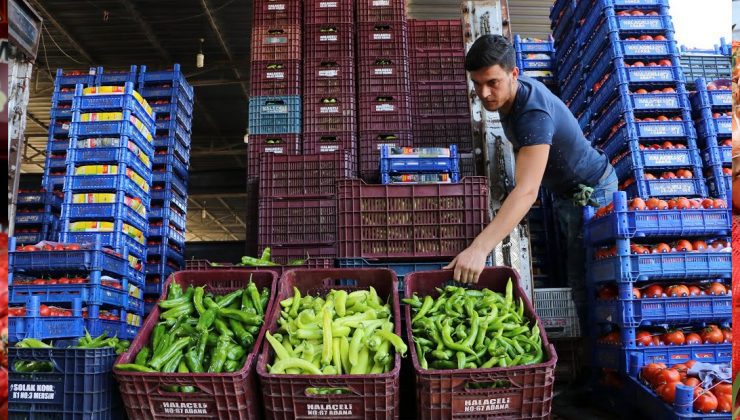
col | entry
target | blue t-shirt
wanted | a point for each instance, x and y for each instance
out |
(539, 117)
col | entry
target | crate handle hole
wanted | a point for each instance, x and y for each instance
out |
(324, 391)
(329, 64)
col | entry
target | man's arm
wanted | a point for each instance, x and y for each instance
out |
(530, 166)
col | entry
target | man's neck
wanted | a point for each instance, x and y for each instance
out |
(506, 108)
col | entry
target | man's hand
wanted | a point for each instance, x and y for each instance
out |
(469, 264)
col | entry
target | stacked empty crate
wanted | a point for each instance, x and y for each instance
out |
(440, 107)
(384, 94)
(171, 99)
(710, 64)
(108, 182)
(712, 112)
(535, 58)
(37, 216)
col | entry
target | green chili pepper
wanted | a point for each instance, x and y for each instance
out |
(219, 355)
(133, 367)
(159, 359)
(241, 316)
(175, 291)
(142, 356)
(198, 300)
(255, 296)
(222, 328)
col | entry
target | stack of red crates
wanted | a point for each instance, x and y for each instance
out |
(329, 93)
(441, 112)
(384, 83)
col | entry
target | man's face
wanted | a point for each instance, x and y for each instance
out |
(495, 86)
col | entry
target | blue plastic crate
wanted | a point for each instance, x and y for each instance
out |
(61, 112)
(82, 384)
(167, 197)
(275, 115)
(173, 235)
(173, 129)
(154, 95)
(171, 164)
(388, 178)
(703, 98)
(651, 160)
(563, 27)
(149, 306)
(171, 126)
(668, 188)
(113, 129)
(37, 218)
(70, 80)
(678, 265)
(171, 180)
(89, 294)
(29, 238)
(643, 76)
(400, 268)
(175, 111)
(155, 289)
(60, 145)
(173, 145)
(116, 240)
(571, 66)
(605, 42)
(561, 9)
(56, 162)
(636, 312)
(565, 47)
(597, 6)
(167, 215)
(59, 96)
(579, 101)
(648, 102)
(719, 185)
(624, 223)
(107, 211)
(634, 131)
(618, 109)
(527, 46)
(614, 357)
(400, 164)
(61, 127)
(632, 25)
(649, 404)
(116, 78)
(114, 102)
(111, 156)
(106, 183)
(710, 127)
(174, 75)
(165, 249)
(716, 155)
(534, 63)
(159, 268)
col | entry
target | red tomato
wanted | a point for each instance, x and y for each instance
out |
(668, 393)
(716, 289)
(644, 338)
(674, 338)
(653, 291)
(44, 310)
(692, 339)
(678, 290)
(706, 402)
(684, 246)
(711, 335)
(699, 245)
(694, 290)
(72, 247)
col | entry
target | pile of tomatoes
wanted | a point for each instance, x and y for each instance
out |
(643, 91)
(64, 280)
(49, 247)
(659, 63)
(711, 334)
(663, 380)
(636, 12)
(656, 291)
(682, 245)
(54, 311)
(680, 203)
(665, 175)
(646, 38)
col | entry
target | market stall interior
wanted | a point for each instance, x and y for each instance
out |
(242, 209)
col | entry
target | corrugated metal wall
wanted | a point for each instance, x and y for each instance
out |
(530, 18)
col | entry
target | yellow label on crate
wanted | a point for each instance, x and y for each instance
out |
(134, 291)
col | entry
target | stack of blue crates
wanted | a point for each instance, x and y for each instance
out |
(536, 58)
(543, 233)
(631, 97)
(712, 112)
(90, 289)
(107, 189)
(37, 216)
(171, 99)
(405, 165)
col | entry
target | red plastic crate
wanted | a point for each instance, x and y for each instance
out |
(223, 395)
(329, 11)
(375, 79)
(388, 66)
(442, 131)
(381, 11)
(330, 142)
(275, 78)
(405, 221)
(276, 42)
(329, 76)
(321, 116)
(312, 175)
(203, 265)
(284, 144)
(438, 66)
(372, 396)
(329, 41)
(252, 213)
(446, 394)
(312, 254)
(436, 35)
(276, 13)
(440, 99)
(382, 39)
(370, 142)
(468, 164)
(297, 222)
(385, 111)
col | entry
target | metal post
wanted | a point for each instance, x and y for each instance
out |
(18, 86)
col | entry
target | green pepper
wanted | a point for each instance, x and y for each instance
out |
(425, 307)
(218, 358)
(255, 262)
(173, 363)
(266, 254)
(133, 367)
(234, 352)
(192, 362)
(159, 359)
(254, 295)
(177, 311)
(172, 303)
(296, 303)
(231, 366)
(240, 316)
(175, 291)
(241, 334)
(142, 356)
(222, 328)
(198, 300)
(206, 320)
(228, 299)
(183, 368)
(264, 298)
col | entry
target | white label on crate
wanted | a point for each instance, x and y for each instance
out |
(66, 126)
(668, 159)
(329, 410)
(328, 149)
(275, 109)
(334, 109)
(725, 124)
(659, 102)
(484, 405)
(276, 150)
(328, 5)
(271, 40)
(382, 37)
(383, 71)
(328, 73)
(659, 49)
(673, 186)
(44, 392)
(274, 7)
(380, 146)
(328, 38)
(656, 130)
(184, 408)
(385, 108)
(640, 23)
(643, 74)
(723, 98)
(381, 3)
(272, 75)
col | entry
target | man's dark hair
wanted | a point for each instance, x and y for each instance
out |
(489, 50)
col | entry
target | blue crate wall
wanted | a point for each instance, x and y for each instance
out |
(275, 115)
(542, 69)
(116, 77)
(43, 216)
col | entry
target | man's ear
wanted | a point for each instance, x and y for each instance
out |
(515, 72)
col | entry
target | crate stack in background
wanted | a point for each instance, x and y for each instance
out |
(543, 232)
(330, 111)
(568, 68)
(536, 58)
(710, 64)
(37, 216)
(711, 104)
(171, 99)
(440, 107)
(384, 91)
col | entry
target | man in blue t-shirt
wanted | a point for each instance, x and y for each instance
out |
(551, 151)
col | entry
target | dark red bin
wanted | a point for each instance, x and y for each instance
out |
(285, 144)
(297, 222)
(277, 13)
(377, 79)
(438, 66)
(275, 78)
(276, 42)
(308, 175)
(385, 66)
(328, 76)
(410, 221)
(436, 35)
(329, 142)
(381, 11)
(285, 255)
(329, 41)
(442, 131)
(382, 39)
(203, 265)
(372, 396)
(385, 111)
(370, 142)
(440, 99)
(223, 395)
(329, 11)
(329, 113)
(447, 394)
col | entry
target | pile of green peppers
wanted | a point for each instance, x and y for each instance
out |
(341, 333)
(473, 329)
(264, 260)
(86, 342)
(199, 332)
